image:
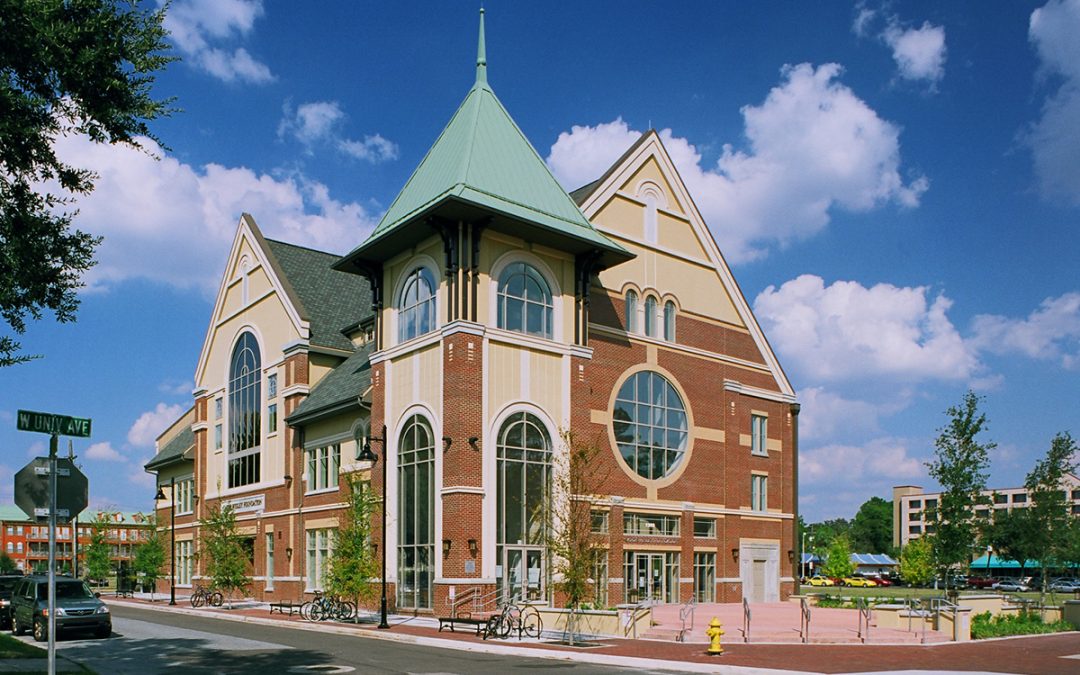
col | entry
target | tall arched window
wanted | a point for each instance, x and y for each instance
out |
(631, 311)
(669, 321)
(524, 487)
(245, 402)
(416, 511)
(650, 316)
(416, 307)
(525, 304)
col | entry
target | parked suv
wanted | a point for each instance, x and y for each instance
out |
(77, 608)
(7, 585)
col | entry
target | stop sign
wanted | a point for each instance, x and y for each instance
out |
(32, 488)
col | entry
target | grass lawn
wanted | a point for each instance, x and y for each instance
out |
(10, 648)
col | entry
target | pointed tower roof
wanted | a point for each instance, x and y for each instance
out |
(482, 166)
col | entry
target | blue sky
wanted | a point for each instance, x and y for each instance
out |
(896, 186)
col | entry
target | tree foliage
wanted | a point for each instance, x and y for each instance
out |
(1012, 537)
(917, 562)
(67, 67)
(150, 555)
(98, 562)
(872, 529)
(576, 551)
(838, 563)
(353, 564)
(7, 564)
(960, 466)
(825, 532)
(223, 551)
(1050, 519)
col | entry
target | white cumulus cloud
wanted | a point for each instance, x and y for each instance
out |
(320, 122)
(919, 52)
(827, 414)
(105, 452)
(150, 211)
(151, 423)
(205, 30)
(1055, 137)
(1050, 332)
(837, 478)
(813, 146)
(847, 331)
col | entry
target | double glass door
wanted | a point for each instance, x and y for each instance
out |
(523, 573)
(652, 576)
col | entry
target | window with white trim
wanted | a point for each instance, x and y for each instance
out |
(322, 467)
(631, 311)
(598, 522)
(524, 301)
(217, 436)
(650, 316)
(183, 562)
(759, 432)
(245, 404)
(320, 548)
(271, 418)
(271, 386)
(759, 492)
(650, 525)
(669, 321)
(705, 527)
(185, 492)
(416, 305)
(650, 425)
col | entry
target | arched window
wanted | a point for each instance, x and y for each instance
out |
(416, 307)
(669, 321)
(524, 301)
(650, 424)
(524, 487)
(650, 316)
(631, 311)
(416, 513)
(245, 402)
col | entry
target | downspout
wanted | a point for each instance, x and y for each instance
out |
(795, 408)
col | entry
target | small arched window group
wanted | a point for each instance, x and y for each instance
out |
(416, 314)
(653, 320)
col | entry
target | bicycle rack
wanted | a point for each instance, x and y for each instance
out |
(804, 620)
(864, 619)
(745, 620)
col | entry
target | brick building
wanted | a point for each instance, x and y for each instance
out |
(27, 541)
(488, 313)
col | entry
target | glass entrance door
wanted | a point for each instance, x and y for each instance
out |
(651, 576)
(523, 574)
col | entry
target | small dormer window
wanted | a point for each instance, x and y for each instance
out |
(525, 304)
(417, 305)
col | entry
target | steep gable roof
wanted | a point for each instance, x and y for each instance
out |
(337, 390)
(174, 450)
(483, 163)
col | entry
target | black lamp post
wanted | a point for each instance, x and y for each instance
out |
(366, 455)
(172, 534)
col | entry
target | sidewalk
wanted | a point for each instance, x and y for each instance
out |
(1049, 654)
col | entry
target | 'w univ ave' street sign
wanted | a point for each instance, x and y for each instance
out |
(48, 423)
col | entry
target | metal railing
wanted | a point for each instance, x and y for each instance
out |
(643, 606)
(864, 619)
(687, 610)
(804, 620)
(745, 620)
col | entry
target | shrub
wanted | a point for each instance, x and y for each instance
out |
(1026, 623)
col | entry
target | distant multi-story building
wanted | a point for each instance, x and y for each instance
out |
(27, 541)
(911, 506)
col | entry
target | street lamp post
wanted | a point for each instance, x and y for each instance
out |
(172, 535)
(804, 551)
(367, 455)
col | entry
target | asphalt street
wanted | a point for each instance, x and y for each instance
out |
(147, 642)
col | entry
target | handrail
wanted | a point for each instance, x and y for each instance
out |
(804, 620)
(746, 620)
(634, 616)
(864, 619)
(686, 610)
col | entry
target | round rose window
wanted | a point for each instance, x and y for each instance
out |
(650, 425)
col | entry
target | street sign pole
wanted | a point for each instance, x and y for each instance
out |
(54, 441)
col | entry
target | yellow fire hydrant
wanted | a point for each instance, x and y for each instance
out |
(714, 632)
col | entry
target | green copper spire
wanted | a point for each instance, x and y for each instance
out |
(481, 54)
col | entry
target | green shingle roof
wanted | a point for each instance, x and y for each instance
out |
(483, 164)
(339, 389)
(174, 450)
(328, 299)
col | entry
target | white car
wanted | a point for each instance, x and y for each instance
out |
(1011, 585)
(1065, 585)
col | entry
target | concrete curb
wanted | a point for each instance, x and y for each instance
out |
(485, 648)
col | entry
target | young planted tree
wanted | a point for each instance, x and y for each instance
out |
(150, 555)
(576, 551)
(98, 563)
(960, 466)
(838, 564)
(67, 68)
(1050, 518)
(7, 564)
(1012, 536)
(917, 562)
(223, 548)
(353, 564)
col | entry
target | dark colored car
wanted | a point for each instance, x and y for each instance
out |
(7, 585)
(981, 582)
(77, 608)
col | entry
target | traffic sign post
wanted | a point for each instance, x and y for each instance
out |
(53, 487)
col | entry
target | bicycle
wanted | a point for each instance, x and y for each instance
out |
(205, 596)
(325, 607)
(525, 620)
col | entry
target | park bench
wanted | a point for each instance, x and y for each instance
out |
(284, 607)
(480, 610)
